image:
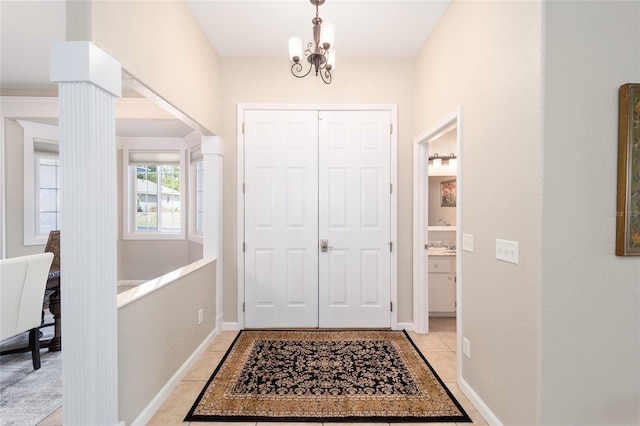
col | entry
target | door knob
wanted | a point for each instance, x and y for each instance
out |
(324, 246)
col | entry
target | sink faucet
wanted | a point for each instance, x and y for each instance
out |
(444, 221)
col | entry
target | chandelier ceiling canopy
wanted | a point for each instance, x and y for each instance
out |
(319, 53)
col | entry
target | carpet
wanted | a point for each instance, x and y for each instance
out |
(27, 396)
(325, 376)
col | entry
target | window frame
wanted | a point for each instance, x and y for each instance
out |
(33, 131)
(195, 159)
(129, 191)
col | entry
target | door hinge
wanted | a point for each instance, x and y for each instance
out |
(243, 188)
(391, 246)
(390, 188)
(243, 247)
(390, 129)
(242, 306)
(243, 128)
(391, 306)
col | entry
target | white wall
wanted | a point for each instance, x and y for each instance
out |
(590, 301)
(486, 58)
(356, 81)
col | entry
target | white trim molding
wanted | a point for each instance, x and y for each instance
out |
(212, 148)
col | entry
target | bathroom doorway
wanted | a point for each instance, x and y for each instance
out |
(444, 235)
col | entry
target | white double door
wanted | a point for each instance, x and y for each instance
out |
(317, 219)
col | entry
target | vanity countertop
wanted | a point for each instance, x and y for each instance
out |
(437, 251)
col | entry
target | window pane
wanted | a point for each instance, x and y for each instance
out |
(48, 223)
(48, 200)
(157, 198)
(147, 221)
(48, 194)
(199, 222)
(48, 175)
(199, 196)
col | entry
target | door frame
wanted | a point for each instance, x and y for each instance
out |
(393, 110)
(420, 217)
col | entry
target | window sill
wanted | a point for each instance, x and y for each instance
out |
(153, 236)
(195, 238)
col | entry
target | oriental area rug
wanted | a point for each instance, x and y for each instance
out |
(325, 376)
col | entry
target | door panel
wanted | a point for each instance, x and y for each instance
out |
(281, 222)
(306, 180)
(354, 216)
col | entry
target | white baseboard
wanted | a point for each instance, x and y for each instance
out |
(477, 402)
(147, 413)
(234, 326)
(219, 323)
(230, 326)
(405, 326)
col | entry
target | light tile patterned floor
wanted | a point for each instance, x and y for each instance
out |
(439, 347)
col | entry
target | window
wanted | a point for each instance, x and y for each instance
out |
(41, 182)
(48, 189)
(199, 196)
(157, 198)
(154, 193)
(196, 195)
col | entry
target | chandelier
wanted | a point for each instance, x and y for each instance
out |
(319, 53)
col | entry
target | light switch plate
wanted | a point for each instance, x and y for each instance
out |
(466, 347)
(467, 242)
(507, 251)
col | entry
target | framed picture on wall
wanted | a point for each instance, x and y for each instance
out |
(448, 193)
(628, 206)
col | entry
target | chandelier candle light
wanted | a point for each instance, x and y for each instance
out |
(319, 53)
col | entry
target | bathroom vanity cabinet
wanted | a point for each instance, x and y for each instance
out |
(442, 285)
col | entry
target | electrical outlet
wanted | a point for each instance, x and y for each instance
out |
(507, 251)
(200, 316)
(466, 347)
(467, 242)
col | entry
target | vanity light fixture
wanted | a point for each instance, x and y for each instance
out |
(436, 160)
(451, 160)
(319, 53)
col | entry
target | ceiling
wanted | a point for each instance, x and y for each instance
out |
(374, 28)
(364, 28)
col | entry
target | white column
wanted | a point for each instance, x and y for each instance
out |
(212, 151)
(89, 81)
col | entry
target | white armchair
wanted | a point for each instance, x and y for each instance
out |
(22, 283)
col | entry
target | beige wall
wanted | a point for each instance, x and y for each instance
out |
(590, 313)
(356, 81)
(14, 196)
(161, 44)
(158, 333)
(486, 58)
